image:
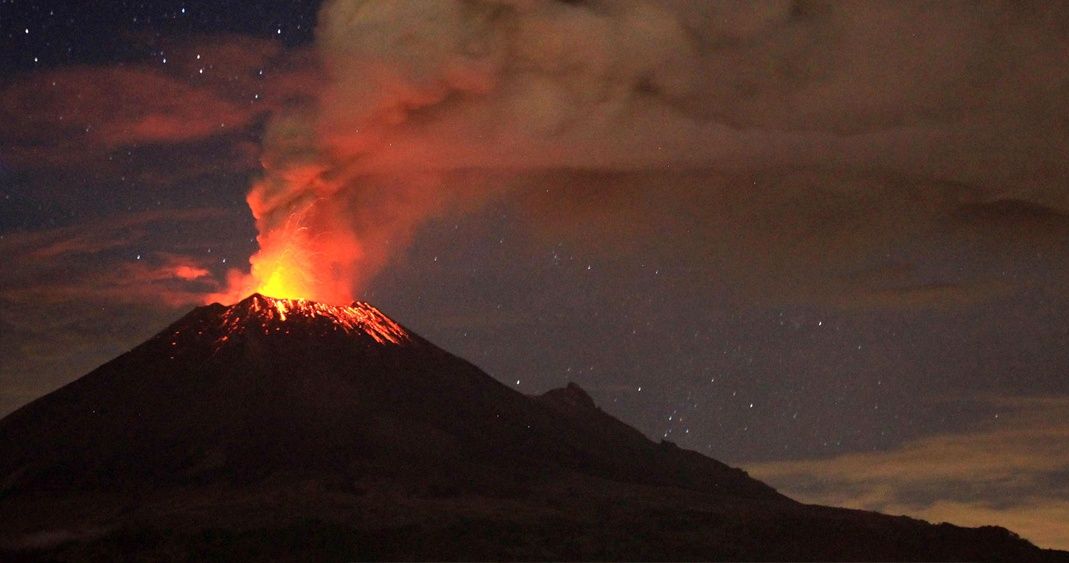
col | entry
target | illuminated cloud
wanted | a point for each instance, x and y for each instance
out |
(99, 261)
(210, 88)
(1009, 473)
(420, 98)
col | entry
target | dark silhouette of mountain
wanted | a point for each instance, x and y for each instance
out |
(287, 429)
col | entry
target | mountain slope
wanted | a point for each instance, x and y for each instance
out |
(269, 386)
(282, 428)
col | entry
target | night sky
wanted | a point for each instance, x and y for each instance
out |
(826, 242)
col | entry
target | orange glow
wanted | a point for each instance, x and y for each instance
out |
(328, 223)
(311, 254)
(267, 314)
(285, 265)
(189, 273)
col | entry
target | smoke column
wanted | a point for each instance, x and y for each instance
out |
(415, 92)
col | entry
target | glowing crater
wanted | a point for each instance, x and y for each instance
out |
(270, 314)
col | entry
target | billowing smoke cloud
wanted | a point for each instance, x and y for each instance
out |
(418, 92)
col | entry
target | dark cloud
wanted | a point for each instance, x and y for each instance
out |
(1034, 227)
(822, 134)
(778, 238)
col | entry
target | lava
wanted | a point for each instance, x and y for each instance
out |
(271, 314)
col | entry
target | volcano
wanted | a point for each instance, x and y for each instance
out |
(285, 428)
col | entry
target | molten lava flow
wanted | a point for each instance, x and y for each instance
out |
(272, 315)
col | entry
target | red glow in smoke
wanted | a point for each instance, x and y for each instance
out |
(311, 254)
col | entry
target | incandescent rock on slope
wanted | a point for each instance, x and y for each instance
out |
(288, 429)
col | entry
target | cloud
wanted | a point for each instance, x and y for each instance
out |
(109, 107)
(822, 237)
(924, 296)
(99, 261)
(1011, 473)
(640, 85)
(420, 98)
(210, 87)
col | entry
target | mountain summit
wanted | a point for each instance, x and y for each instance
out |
(274, 428)
(285, 386)
(303, 317)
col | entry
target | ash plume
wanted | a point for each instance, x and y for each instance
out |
(417, 94)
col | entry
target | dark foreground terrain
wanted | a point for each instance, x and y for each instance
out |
(289, 430)
(573, 518)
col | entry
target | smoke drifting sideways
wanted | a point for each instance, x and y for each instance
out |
(417, 93)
